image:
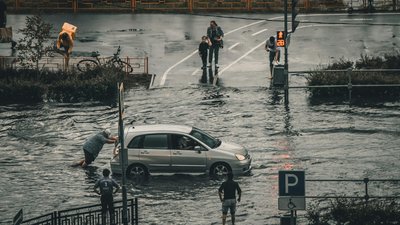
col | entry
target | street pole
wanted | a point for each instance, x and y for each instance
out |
(123, 155)
(286, 66)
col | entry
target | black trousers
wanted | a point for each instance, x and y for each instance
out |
(214, 50)
(204, 59)
(107, 204)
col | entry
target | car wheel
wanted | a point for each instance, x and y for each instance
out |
(137, 172)
(220, 170)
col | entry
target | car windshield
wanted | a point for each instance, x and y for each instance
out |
(205, 138)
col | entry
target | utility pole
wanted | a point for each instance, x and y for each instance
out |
(295, 23)
(286, 66)
(123, 154)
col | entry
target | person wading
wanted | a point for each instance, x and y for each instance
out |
(215, 34)
(227, 195)
(94, 145)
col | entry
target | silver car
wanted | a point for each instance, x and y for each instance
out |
(179, 149)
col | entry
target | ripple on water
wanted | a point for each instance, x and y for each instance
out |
(39, 143)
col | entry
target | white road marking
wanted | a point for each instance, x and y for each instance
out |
(248, 25)
(164, 77)
(236, 44)
(194, 73)
(262, 43)
(240, 58)
(357, 19)
(259, 32)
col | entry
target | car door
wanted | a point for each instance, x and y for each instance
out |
(190, 158)
(155, 152)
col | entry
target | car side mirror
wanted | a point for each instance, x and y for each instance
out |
(198, 148)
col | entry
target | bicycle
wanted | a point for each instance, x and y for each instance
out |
(115, 61)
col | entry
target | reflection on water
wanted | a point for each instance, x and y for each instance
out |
(39, 143)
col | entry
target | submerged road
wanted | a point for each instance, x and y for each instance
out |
(329, 141)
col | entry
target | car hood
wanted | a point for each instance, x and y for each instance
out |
(231, 147)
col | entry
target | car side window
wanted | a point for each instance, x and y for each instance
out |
(155, 141)
(182, 142)
(135, 143)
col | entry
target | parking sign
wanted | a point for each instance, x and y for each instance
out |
(291, 190)
(291, 183)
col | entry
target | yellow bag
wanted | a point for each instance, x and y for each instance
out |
(70, 29)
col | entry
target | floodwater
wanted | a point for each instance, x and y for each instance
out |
(38, 143)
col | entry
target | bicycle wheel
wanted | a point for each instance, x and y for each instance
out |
(123, 66)
(87, 65)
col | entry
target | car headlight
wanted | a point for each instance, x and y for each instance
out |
(240, 157)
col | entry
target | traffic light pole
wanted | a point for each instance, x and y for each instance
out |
(286, 66)
(123, 153)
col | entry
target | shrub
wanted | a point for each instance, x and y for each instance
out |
(22, 86)
(389, 61)
(354, 212)
(31, 47)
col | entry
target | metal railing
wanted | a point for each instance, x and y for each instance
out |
(365, 182)
(86, 215)
(349, 72)
(140, 65)
(187, 5)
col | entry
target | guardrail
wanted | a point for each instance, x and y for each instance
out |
(365, 182)
(140, 65)
(192, 5)
(350, 84)
(86, 215)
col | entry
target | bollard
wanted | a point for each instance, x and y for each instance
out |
(278, 75)
(288, 220)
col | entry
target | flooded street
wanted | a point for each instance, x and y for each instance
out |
(38, 143)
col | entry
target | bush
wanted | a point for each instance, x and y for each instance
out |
(31, 86)
(389, 61)
(354, 212)
(21, 91)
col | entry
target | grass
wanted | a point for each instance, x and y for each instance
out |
(388, 61)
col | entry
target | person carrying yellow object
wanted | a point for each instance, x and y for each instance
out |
(65, 41)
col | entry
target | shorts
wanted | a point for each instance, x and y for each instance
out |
(229, 204)
(89, 158)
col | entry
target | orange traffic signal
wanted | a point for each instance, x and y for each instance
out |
(280, 41)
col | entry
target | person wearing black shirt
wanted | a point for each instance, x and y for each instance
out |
(104, 187)
(215, 34)
(203, 48)
(228, 191)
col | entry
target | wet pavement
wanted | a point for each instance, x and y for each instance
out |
(328, 141)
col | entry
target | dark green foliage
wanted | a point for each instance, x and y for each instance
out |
(30, 86)
(389, 61)
(31, 47)
(354, 212)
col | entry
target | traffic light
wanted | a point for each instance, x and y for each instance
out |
(294, 14)
(280, 39)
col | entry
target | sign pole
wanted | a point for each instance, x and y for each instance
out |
(123, 155)
(286, 66)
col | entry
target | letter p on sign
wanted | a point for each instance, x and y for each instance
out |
(291, 183)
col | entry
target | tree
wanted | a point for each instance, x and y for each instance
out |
(31, 47)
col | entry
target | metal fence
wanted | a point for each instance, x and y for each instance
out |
(86, 215)
(140, 65)
(194, 5)
(364, 185)
(349, 85)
